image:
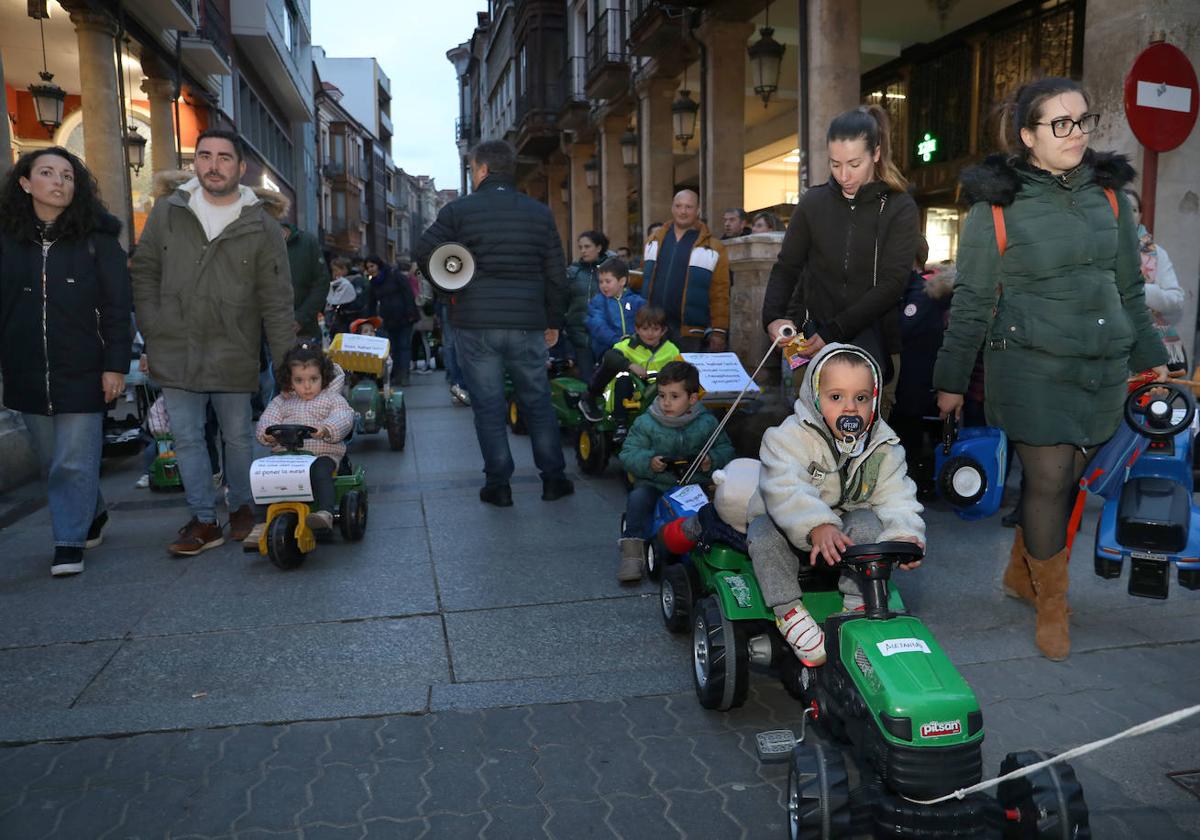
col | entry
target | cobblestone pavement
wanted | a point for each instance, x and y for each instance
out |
(468, 672)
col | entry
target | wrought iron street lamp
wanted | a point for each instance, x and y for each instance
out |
(135, 148)
(591, 171)
(629, 148)
(766, 56)
(684, 111)
(48, 97)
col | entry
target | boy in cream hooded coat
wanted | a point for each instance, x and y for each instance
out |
(833, 474)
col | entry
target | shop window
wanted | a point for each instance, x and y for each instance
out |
(773, 181)
(941, 232)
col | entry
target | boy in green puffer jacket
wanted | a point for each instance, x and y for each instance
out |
(676, 427)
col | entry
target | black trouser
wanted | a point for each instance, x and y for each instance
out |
(613, 366)
(321, 475)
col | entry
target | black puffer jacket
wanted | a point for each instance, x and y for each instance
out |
(75, 311)
(390, 297)
(845, 262)
(520, 277)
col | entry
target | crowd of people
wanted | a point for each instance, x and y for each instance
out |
(1056, 296)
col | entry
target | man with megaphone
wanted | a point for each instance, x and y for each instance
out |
(498, 254)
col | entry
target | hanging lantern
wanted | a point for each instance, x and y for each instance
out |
(48, 97)
(565, 191)
(591, 171)
(684, 111)
(629, 148)
(135, 149)
(766, 56)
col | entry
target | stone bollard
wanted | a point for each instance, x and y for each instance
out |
(750, 259)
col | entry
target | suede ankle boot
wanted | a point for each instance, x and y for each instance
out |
(632, 552)
(1049, 578)
(1017, 583)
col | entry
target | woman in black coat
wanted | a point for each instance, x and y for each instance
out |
(64, 333)
(390, 296)
(849, 247)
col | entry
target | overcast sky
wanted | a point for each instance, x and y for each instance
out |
(409, 39)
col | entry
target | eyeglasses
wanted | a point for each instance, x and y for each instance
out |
(1063, 126)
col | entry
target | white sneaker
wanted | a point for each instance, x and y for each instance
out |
(143, 482)
(804, 635)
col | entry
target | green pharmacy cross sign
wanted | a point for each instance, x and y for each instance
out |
(927, 147)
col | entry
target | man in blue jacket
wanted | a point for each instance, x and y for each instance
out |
(507, 316)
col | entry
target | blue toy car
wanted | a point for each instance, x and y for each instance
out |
(1152, 521)
(970, 468)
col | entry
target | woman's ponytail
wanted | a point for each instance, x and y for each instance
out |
(870, 123)
(889, 173)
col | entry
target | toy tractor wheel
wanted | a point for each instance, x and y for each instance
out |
(282, 547)
(818, 793)
(397, 427)
(1045, 805)
(655, 559)
(720, 660)
(515, 421)
(797, 680)
(591, 450)
(677, 595)
(353, 515)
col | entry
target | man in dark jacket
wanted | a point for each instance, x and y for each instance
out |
(310, 278)
(507, 316)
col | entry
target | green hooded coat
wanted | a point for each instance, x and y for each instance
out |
(1061, 316)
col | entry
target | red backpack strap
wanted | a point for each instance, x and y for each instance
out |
(1001, 231)
(1112, 201)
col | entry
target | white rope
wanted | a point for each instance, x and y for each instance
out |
(1131, 732)
(786, 334)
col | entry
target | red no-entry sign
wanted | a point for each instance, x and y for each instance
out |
(1161, 97)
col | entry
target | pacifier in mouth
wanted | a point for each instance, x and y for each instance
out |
(849, 427)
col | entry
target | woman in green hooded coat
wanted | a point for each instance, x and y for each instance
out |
(1049, 286)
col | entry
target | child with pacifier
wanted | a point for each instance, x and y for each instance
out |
(640, 355)
(676, 427)
(833, 475)
(310, 395)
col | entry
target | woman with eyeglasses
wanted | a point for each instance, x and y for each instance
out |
(1050, 287)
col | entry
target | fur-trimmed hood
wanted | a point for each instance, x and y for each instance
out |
(939, 281)
(998, 179)
(170, 180)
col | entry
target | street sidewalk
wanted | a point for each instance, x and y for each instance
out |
(469, 671)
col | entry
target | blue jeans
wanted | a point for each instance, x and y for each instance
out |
(69, 448)
(401, 337)
(449, 356)
(639, 511)
(484, 356)
(188, 410)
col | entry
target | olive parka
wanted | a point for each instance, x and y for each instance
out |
(203, 306)
(1062, 315)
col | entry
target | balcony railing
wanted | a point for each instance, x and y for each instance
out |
(606, 40)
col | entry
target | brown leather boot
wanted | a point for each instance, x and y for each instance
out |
(1049, 578)
(1017, 583)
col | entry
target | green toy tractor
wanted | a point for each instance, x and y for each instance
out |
(377, 405)
(888, 693)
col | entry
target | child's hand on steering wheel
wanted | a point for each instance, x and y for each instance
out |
(916, 563)
(828, 541)
(706, 464)
(658, 464)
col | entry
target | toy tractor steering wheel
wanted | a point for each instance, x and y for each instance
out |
(290, 435)
(1152, 415)
(871, 564)
(677, 466)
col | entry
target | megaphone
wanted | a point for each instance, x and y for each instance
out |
(451, 267)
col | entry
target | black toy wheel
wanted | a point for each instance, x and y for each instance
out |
(1047, 804)
(720, 661)
(797, 679)
(353, 515)
(515, 421)
(397, 427)
(1152, 414)
(591, 449)
(677, 594)
(818, 793)
(962, 481)
(282, 547)
(655, 559)
(893, 817)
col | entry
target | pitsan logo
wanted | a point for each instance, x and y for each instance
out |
(940, 728)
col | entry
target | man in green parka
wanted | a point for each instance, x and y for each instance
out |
(310, 278)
